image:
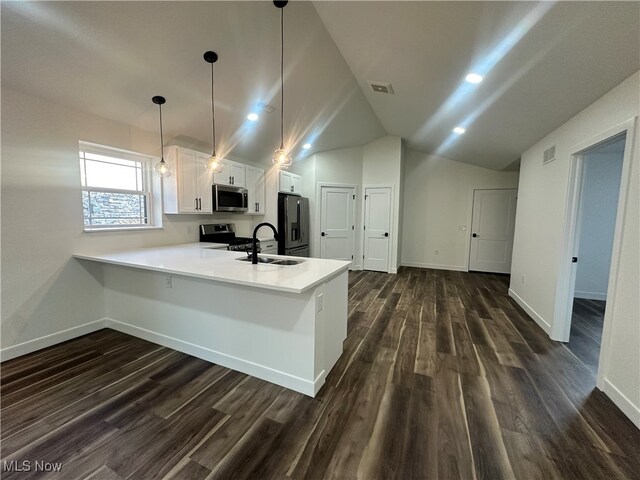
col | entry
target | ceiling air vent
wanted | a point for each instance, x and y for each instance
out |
(265, 107)
(549, 155)
(381, 87)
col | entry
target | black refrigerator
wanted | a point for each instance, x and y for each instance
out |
(293, 225)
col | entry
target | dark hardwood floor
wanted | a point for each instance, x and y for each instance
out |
(442, 377)
(586, 331)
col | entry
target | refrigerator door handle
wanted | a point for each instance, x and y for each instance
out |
(302, 226)
(299, 221)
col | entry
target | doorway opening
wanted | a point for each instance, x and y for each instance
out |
(598, 197)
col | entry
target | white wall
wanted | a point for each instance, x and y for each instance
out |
(382, 165)
(540, 224)
(44, 290)
(438, 195)
(343, 166)
(600, 191)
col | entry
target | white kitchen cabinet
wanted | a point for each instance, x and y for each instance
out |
(255, 185)
(289, 182)
(204, 181)
(188, 189)
(296, 183)
(233, 173)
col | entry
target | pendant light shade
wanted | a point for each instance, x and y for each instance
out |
(161, 168)
(281, 156)
(214, 163)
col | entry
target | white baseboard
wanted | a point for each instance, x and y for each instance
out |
(298, 384)
(622, 402)
(436, 266)
(589, 295)
(531, 312)
(49, 340)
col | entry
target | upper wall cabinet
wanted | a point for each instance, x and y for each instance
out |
(255, 185)
(233, 173)
(188, 190)
(289, 182)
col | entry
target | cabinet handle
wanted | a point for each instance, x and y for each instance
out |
(258, 207)
(229, 179)
(199, 203)
(196, 204)
(292, 188)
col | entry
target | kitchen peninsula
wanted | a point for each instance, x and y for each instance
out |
(281, 323)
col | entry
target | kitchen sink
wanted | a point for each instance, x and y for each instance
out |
(260, 259)
(272, 261)
(287, 262)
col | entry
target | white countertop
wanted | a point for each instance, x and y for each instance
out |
(204, 261)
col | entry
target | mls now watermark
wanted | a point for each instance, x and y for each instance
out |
(29, 466)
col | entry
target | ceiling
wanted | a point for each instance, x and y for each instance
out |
(110, 58)
(543, 63)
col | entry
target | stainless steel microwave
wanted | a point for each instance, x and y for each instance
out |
(227, 198)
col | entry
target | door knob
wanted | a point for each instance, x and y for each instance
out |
(474, 235)
(322, 234)
(386, 234)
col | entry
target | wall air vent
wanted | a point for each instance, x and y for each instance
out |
(549, 155)
(381, 87)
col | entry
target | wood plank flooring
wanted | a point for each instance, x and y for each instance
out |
(586, 331)
(442, 377)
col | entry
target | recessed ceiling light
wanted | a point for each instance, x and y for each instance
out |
(253, 117)
(459, 130)
(473, 78)
(306, 146)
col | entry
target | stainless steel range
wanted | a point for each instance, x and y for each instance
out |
(225, 233)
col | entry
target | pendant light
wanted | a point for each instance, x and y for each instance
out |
(281, 156)
(214, 163)
(161, 167)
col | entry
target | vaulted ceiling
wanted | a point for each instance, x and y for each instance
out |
(542, 63)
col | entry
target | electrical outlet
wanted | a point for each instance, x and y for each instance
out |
(524, 278)
(168, 282)
(320, 303)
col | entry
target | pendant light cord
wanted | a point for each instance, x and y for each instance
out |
(282, 78)
(213, 114)
(161, 137)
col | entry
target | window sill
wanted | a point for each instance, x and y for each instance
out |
(122, 229)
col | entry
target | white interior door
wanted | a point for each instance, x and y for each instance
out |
(377, 222)
(492, 227)
(337, 223)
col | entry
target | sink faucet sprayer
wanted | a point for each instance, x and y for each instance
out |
(254, 245)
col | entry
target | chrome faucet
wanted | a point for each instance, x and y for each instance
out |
(254, 241)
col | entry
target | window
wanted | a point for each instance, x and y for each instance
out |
(116, 188)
